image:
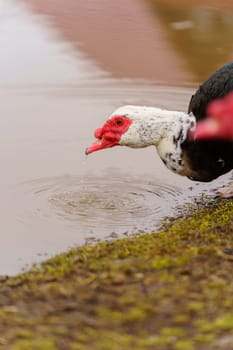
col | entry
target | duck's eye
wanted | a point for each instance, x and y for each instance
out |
(119, 122)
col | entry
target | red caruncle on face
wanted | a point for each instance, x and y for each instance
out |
(110, 134)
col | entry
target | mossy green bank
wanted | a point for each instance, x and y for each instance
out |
(167, 290)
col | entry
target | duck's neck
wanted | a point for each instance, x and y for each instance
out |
(162, 128)
(151, 125)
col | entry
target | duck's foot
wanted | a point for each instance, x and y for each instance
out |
(226, 192)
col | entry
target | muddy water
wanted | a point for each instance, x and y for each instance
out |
(53, 95)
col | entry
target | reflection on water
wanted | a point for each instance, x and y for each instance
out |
(37, 58)
(53, 98)
(201, 34)
(170, 42)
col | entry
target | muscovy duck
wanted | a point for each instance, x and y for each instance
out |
(172, 132)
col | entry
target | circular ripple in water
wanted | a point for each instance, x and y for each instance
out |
(106, 203)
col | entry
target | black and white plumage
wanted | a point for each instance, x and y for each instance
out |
(210, 158)
(169, 132)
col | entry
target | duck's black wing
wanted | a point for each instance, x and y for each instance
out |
(211, 158)
(219, 84)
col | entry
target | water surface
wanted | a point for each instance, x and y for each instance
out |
(54, 92)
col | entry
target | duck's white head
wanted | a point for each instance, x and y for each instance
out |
(136, 127)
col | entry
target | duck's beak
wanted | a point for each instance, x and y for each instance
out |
(101, 144)
(96, 146)
(109, 135)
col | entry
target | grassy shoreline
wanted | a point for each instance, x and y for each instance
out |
(172, 289)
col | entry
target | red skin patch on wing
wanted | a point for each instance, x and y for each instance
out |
(110, 134)
(219, 121)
